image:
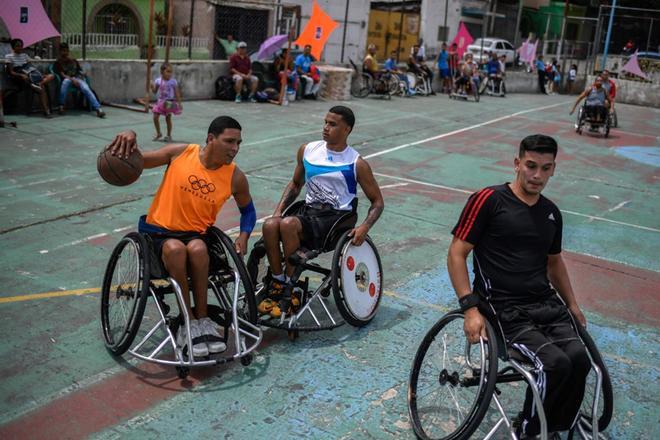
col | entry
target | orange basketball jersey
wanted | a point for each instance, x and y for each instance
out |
(190, 195)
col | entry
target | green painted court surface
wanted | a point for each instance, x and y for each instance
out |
(59, 222)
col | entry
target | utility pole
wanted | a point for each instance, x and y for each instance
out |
(609, 35)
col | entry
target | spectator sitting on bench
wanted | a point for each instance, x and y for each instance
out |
(280, 70)
(71, 74)
(240, 68)
(24, 75)
(304, 68)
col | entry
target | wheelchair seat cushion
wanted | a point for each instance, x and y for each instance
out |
(317, 223)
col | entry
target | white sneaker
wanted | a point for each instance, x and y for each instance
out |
(213, 339)
(199, 348)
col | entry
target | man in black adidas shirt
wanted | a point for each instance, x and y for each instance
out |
(514, 234)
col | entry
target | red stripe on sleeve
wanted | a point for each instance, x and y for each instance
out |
(467, 212)
(475, 212)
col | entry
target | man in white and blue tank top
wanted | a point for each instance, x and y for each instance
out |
(330, 171)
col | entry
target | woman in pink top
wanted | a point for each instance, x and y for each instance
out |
(169, 100)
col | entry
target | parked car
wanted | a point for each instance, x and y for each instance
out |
(500, 46)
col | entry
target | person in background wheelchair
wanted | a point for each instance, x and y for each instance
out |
(597, 102)
(515, 235)
(494, 74)
(468, 75)
(196, 184)
(329, 170)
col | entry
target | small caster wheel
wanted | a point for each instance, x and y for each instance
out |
(293, 335)
(246, 360)
(182, 372)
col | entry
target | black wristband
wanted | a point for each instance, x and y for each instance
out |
(468, 301)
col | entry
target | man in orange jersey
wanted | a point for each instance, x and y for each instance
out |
(514, 234)
(197, 182)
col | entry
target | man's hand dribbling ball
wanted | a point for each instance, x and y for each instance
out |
(123, 144)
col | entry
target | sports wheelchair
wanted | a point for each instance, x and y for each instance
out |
(135, 272)
(471, 89)
(493, 85)
(354, 277)
(453, 383)
(364, 83)
(595, 126)
(419, 83)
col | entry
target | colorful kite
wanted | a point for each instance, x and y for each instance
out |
(27, 20)
(318, 30)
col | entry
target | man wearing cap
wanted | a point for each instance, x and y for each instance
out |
(240, 68)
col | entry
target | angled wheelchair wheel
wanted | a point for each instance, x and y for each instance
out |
(615, 120)
(124, 292)
(232, 274)
(487, 85)
(475, 93)
(392, 84)
(361, 86)
(451, 382)
(606, 399)
(580, 121)
(257, 265)
(357, 280)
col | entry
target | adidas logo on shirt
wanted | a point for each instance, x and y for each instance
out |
(551, 217)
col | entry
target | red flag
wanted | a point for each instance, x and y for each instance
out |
(318, 30)
(463, 39)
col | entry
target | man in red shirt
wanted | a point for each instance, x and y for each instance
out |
(610, 87)
(240, 68)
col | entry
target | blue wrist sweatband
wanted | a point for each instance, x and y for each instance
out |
(248, 217)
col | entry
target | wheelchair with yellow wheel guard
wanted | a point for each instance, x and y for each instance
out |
(456, 388)
(354, 279)
(135, 273)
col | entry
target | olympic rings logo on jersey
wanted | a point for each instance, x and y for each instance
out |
(200, 185)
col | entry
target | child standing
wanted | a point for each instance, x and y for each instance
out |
(572, 74)
(168, 90)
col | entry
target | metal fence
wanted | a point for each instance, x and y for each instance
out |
(175, 29)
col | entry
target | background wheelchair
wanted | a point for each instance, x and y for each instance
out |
(493, 85)
(135, 272)
(471, 89)
(364, 83)
(453, 384)
(354, 277)
(419, 83)
(595, 126)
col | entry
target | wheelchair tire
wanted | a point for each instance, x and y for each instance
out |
(248, 309)
(615, 120)
(130, 294)
(357, 280)
(361, 86)
(607, 400)
(430, 376)
(484, 85)
(475, 93)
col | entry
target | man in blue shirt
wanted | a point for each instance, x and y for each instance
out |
(443, 68)
(540, 69)
(303, 65)
(392, 67)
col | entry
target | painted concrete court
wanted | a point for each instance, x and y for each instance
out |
(59, 222)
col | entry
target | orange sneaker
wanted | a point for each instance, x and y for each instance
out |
(273, 295)
(291, 306)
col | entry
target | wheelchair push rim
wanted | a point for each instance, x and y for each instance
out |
(449, 392)
(357, 283)
(124, 292)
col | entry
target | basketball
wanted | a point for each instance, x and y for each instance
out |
(119, 171)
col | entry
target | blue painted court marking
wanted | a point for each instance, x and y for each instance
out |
(645, 155)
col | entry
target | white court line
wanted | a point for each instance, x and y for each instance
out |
(578, 214)
(461, 130)
(394, 185)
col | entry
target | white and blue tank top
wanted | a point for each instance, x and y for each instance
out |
(330, 176)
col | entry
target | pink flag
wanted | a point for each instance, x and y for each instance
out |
(463, 39)
(27, 20)
(527, 51)
(632, 66)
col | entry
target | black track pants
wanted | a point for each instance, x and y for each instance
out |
(543, 335)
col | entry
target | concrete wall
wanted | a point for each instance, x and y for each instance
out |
(433, 17)
(636, 92)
